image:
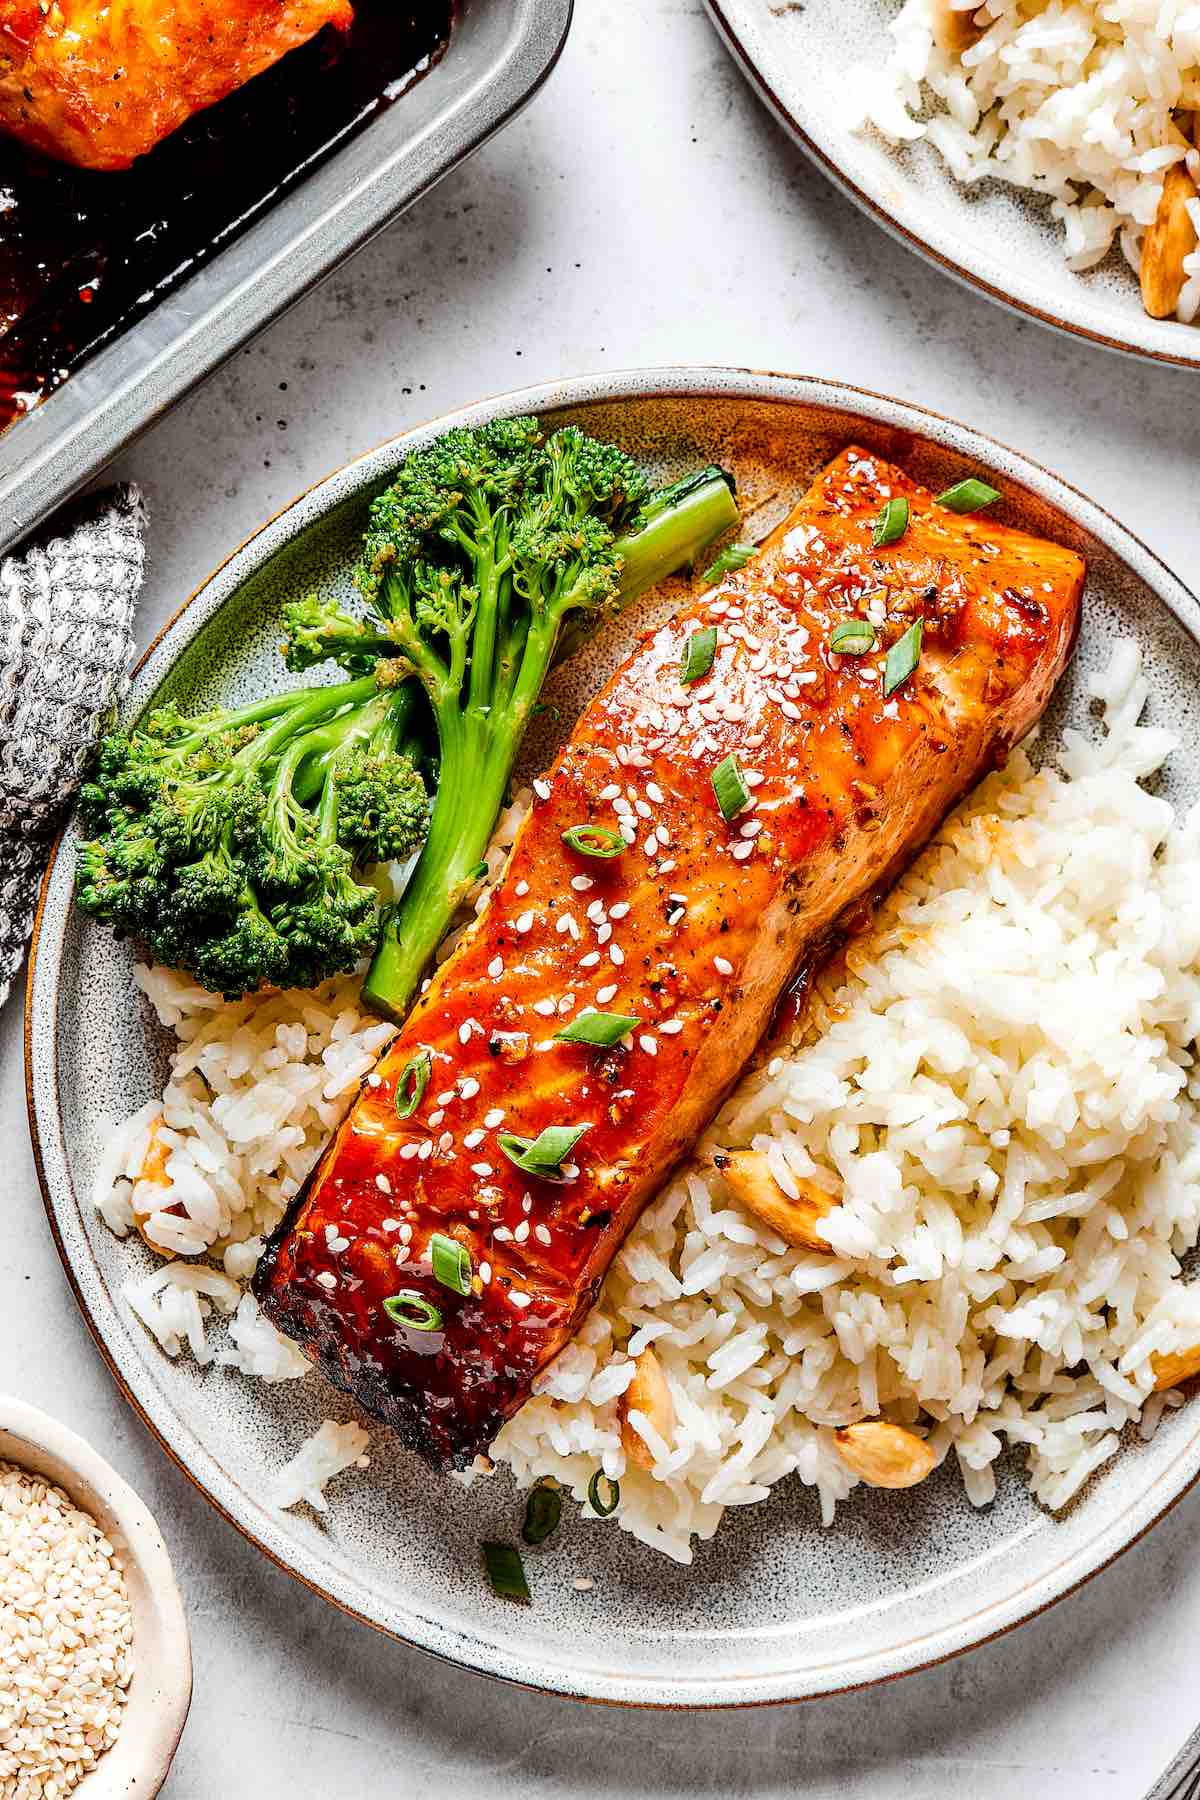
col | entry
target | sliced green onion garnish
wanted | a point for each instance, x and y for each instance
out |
(451, 1263)
(543, 1510)
(594, 840)
(969, 495)
(599, 1028)
(853, 637)
(892, 522)
(727, 562)
(730, 788)
(414, 1079)
(903, 657)
(478, 872)
(506, 1572)
(699, 654)
(611, 1498)
(412, 1309)
(542, 1155)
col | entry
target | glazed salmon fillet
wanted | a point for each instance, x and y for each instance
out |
(693, 930)
(100, 82)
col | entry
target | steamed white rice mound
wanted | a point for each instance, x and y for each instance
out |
(999, 1084)
(1068, 98)
(255, 1089)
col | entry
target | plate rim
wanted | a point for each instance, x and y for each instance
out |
(533, 1669)
(911, 237)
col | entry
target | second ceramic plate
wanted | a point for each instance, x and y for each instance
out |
(774, 1608)
(999, 240)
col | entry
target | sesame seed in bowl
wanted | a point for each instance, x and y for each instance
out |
(66, 1636)
(93, 1637)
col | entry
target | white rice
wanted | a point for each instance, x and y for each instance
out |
(325, 1454)
(998, 1084)
(1072, 99)
(256, 1086)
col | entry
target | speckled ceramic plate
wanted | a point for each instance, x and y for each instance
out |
(774, 1608)
(1000, 240)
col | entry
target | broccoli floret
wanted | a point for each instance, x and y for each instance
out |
(382, 806)
(105, 890)
(251, 955)
(318, 629)
(489, 553)
(333, 925)
(207, 895)
(234, 845)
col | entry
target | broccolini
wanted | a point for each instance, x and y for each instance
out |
(492, 551)
(232, 846)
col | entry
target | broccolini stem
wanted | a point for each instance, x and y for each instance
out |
(679, 522)
(392, 731)
(483, 642)
(327, 807)
(284, 807)
(281, 714)
(384, 720)
(303, 713)
(256, 713)
(464, 815)
(480, 741)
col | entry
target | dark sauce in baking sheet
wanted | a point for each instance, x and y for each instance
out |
(83, 254)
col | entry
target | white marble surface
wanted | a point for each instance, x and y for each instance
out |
(643, 211)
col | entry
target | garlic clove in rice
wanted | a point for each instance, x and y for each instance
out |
(748, 1175)
(1169, 240)
(648, 1395)
(151, 1184)
(883, 1455)
(1172, 1367)
(954, 27)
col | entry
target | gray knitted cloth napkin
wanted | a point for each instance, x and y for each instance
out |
(66, 641)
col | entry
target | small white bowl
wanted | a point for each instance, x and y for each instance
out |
(161, 1690)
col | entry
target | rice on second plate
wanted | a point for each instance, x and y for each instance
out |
(997, 1084)
(1073, 99)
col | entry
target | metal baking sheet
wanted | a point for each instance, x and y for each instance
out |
(499, 54)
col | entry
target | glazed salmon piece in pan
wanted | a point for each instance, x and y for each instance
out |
(99, 84)
(694, 930)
